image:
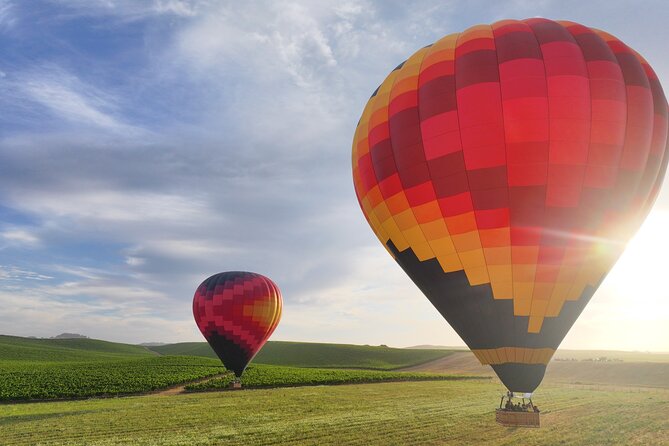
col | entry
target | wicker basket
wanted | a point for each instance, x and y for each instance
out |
(517, 419)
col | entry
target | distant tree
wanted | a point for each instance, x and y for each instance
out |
(70, 336)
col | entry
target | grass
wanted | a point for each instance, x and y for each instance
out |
(425, 413)
(308, 354)
(643, 374)
(279, 376)
(22, 380)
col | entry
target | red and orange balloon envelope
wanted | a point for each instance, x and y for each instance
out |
(237, 312)
(504, 168)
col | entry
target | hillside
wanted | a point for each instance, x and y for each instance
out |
(74, 368)
(14, 348)
(308, 354)
(638, 369)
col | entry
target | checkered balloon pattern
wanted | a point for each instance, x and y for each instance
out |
(237, 312)
(505, 168)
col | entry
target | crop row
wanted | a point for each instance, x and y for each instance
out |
(29, 380)
(277, 376)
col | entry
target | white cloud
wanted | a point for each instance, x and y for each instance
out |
(375, 303)
(93, 204)
(185, 248)
(132, 9)
(33, 313)
(20, 236)
(106, 295)
(134, 261)
(80, 272)
(15, 274)
(70, 98)
(266, 39)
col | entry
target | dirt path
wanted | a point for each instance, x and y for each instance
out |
(175, 390)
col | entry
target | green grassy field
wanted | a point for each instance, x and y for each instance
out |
(445, 412)
(408, 413)
(75, 368)
(22, 380)
(262, 375)
(311, 354)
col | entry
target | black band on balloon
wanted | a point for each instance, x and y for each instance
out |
(468, 308)
(232, 355)
(487, 323)
(521, 378)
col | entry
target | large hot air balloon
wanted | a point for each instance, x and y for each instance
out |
(505, 168)
(237, 312)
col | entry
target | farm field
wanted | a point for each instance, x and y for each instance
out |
(77, 368)
(312, 354)
(302, 408)
(22, 380)
(263, 375)
(433, 413)
(638, 369)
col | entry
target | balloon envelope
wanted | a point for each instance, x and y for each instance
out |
(504, 168)
(237, 312)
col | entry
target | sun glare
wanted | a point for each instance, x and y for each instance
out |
(631, 308)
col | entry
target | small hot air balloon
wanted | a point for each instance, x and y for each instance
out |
(504, 168)
(237, 312)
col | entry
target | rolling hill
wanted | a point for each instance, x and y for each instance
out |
(308, 354)
(14, 348)
(570, 366)
(75, 368)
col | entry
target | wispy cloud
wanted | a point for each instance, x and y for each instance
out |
(20, 236)
(16, 274)
(68, 97)
(277, 37)
(7, 17)
(116, 207)
(130, 9)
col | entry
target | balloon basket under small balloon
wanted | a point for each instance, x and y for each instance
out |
(236, 384)
(517, 419)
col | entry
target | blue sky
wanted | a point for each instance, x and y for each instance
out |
(145, 145)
